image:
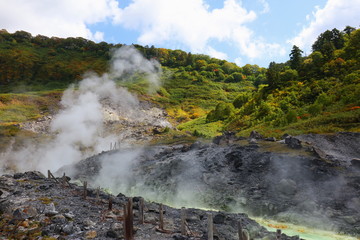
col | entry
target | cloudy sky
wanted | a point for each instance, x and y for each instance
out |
(240, 31)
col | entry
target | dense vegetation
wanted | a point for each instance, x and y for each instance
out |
(315, 93)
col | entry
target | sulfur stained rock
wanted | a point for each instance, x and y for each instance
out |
(90, 234)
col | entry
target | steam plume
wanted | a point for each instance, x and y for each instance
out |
(78, 128)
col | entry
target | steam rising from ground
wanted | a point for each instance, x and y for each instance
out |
(174, 181)
(78, 128)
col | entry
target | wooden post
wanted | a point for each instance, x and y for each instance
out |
(50, 175)
(126, 231)
(210, 227)
(110, 203)
(243, 233)
(130, 213)
(97, 194)
(161, 217)
(85, 189)
(141, 211)
(128, 220)
(240, 231)
(110, 146)
(278, 234)
(183, 220)
(64, 181)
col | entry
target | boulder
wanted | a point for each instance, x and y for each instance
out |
(59, 218)
(68, 229)
(219, 218)
(270, 139)
(252, 141)
(35, 175)
(112, 234)
(285, 136)
(355, 162)
(226, 137)
(255, 135)
(293, 142)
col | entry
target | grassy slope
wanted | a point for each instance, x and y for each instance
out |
(311, 104)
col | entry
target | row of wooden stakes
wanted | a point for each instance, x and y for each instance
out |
(128, 218)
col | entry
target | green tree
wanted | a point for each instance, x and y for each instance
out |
(288, 76)
(348, 30)
(328, 41)
(353, 45)
(229, 67)
(273, 75)
(295, 57)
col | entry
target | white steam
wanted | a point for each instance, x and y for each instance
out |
(78, 128)
(116, 171)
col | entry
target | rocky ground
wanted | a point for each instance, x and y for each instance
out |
(129, 125)
(35, 207)
(293, 180)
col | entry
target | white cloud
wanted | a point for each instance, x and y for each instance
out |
(184, 24)
(99, 36)
(239, 61)
(266, 6)
(190, 23)
(335, 14)
(216, 54)
(63, 18)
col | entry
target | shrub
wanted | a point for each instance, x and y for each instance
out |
(162, 91)
(263, 110)
(315, 109)
(291, 116)
(221, 112)
(241, 99)
(324, 99)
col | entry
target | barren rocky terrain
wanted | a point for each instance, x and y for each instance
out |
(291, 180)
(35, 207)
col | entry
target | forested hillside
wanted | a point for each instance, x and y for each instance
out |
(315, 93)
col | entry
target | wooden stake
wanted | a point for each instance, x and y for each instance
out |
(240, 231)
(97, 194)
(243, 233)
(278, 234)
(210, 227)
(126, 234)
(110, 203)
(128, 220)
(131, 215)
(183, 220)
(50, 175)
(161, 218)
(64, 180)
(141, 211)
(85, 189)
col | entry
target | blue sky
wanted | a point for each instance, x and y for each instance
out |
(240, 31)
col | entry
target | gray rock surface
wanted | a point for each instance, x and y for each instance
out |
(263, 179)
